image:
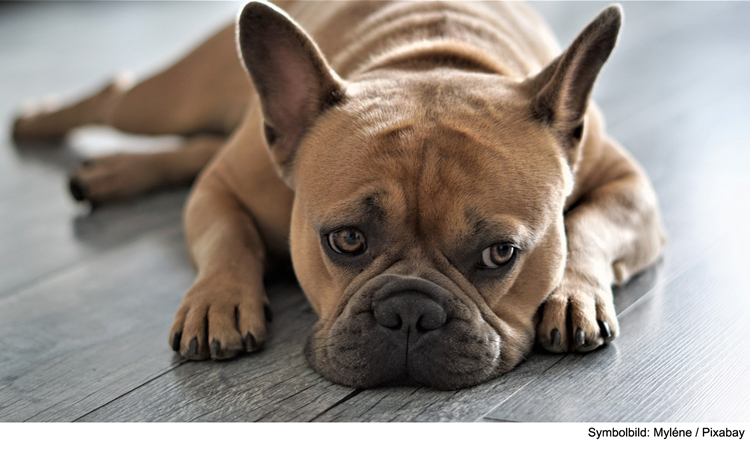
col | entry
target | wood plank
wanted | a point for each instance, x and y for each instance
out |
(54, 234)
(273, 385)
(423, 404)
(87, 335)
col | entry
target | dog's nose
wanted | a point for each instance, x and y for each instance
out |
(409, 311)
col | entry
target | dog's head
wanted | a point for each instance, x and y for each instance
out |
(427, 226)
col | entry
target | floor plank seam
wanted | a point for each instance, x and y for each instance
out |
(171, 368)
(75, 264)
(427, 407)
(337, 403)
(484, 415)
(408, 401)
(33, 282)
(262, 417)
(680, 270)
(493, 420)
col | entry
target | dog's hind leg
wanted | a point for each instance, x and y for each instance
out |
(124, 175)
(203, 96)
(49, 122)
(204, 92)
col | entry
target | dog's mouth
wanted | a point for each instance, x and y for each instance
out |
(406, 331)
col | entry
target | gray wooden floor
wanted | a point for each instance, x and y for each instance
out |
(87, 297)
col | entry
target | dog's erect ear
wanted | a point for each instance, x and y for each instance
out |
(290, 74)
(561, 91)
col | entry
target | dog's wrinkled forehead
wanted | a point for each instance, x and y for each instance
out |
(432, 150)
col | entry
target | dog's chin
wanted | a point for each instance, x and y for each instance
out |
(357, 352)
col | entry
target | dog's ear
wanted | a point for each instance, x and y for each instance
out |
(293, 80)
(560, 92)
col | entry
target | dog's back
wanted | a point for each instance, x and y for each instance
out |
(504, 37)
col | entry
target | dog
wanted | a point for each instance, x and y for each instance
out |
(436, 171)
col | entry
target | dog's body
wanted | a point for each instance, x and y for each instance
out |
(434, 173)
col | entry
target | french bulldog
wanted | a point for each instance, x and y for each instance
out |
(436, 171)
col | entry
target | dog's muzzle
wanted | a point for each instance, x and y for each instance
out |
(406, 330)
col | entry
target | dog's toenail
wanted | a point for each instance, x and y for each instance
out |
(215, 348)
(176, 339)
(580, 337)
(606, 331)
(193, 348)
(267, 312)
(250, 343)
(555, 338)
(77, 189)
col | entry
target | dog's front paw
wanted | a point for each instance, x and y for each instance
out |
(579, 316)
(220, 319)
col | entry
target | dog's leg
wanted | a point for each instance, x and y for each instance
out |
(225, 310)
(612, 221)
(51, 122)
(613, 232)
(204, 92)
(202, 96)
(236, 224)
(124, 175)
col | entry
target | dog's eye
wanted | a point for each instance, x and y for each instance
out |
(496, 256)
(347, 241)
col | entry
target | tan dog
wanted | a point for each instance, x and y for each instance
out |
(436, 170)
